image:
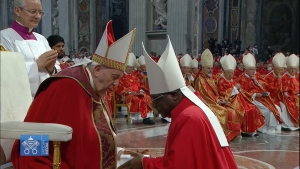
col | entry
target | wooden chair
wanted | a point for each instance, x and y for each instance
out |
(122, 104)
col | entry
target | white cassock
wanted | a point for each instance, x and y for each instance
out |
(286, 118)
(31, 49)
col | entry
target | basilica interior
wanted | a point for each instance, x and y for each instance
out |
(190, 24)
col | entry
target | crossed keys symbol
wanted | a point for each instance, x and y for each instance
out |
(30, 144)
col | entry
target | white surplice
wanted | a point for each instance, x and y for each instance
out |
(31, 49)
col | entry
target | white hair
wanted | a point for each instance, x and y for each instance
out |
(92, 65)
(19, 3)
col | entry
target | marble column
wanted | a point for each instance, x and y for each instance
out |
(3, 15)
(47, 27)
(200, 26)
(74, 25)
(258, 24)
(93, 26)
(221, 21)
(137, 19)
(295, 29)
(243, 24)
(250, 36)
(178, 28)
(227, 23)
(64, 23)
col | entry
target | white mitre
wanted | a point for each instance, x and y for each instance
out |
(195, 63)
(141, 60)
(165, 76)
(207, 59)
(228, 62)
(113, 53)
(131, 60)
(186, 60)
(249, 61)
(279, 60)
(292, 61)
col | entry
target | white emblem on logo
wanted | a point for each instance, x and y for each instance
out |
(30, 144)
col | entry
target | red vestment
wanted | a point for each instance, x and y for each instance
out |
(250, 87)
(67, 98)
(144, 84)
(297, 76)
(217, 70)
(237, 73)
(64, 65)
(109, 99)
(191, 143)
(226, 114)
(262, 71)
(142, 103)
(290, 85)
(274, 86)
(253, 118)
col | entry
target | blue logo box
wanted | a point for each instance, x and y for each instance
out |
(34, 145)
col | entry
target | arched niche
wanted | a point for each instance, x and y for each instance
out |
(278, 28)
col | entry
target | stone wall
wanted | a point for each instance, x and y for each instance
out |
(137, 19)
(178, 25)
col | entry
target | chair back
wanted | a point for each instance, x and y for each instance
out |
(15, 94)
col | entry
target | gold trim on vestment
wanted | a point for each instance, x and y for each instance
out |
(2, 48)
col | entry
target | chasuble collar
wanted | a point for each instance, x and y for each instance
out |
(91, 79)
(290, 75)
(185, 102)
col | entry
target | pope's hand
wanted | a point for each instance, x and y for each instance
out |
(135, 163)
(47, 60)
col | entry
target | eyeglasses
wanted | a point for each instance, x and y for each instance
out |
(158, 97)
(34, 11)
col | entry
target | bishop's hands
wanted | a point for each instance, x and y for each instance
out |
(47, 61)
(135, 163)
(222, 102)
(238, 86)
(136, 94)
(129, 139)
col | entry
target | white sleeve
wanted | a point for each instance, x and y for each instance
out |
(253, 96)
(235, 91)
(120, 149)
(6, 42)
(57, 66)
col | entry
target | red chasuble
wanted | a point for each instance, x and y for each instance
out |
(131, 83)
(191, 143)
(68, 98)
(237, 73)
(253, 118)
(291, 87)
(64, 65)
(249, 87)
(274, 86)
